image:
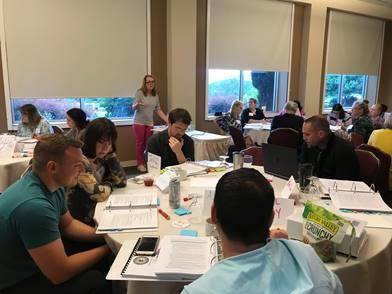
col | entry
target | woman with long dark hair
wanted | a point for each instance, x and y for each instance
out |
(102, 170)
(77, 122)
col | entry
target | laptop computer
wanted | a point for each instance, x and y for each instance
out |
(280, 161)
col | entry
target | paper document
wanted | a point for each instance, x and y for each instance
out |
(124, 219)
(182, 257)
(328, 185)
(154, 164)
(190, 167)
(7, 145)
(137, 199)
(359, 201)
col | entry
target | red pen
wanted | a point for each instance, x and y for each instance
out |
(164, 214)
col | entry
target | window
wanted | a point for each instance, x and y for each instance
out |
(344, 89)
(95, 65)
(225, 86)
(119, 108)
(248, 53)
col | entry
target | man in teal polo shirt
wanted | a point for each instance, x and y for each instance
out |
(33, 220)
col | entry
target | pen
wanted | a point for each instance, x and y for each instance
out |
(110, 230)
(164, 214)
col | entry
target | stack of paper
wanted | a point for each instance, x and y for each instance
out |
(182, 257)
(179, 258)
(359, 201)
(328, 185)
(190, 167)
(140, 198)
(126, 212)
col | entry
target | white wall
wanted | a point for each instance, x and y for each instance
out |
(181, 55)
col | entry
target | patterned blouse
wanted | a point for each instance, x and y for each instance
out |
(43, 128)
(227, 120)
(95, 185)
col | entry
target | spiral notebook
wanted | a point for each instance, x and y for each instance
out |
(179, 258)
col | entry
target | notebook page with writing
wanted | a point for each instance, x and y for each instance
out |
(359, 201)
(138, 198)
(183, 257)
(123, 219)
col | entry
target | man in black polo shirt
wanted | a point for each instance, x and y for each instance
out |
(332, 157)
(173, 145)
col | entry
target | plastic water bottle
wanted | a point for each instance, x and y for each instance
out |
(174, 193)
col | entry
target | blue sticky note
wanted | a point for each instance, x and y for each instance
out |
(189, 233)
(182, 211)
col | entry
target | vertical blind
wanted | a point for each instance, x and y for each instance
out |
(249, 34)
(75, 48)
(354, 44)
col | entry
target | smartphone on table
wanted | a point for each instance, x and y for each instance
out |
(147, 245)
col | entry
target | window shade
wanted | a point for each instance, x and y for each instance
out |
(249, 34)
(75, 48)
(354, 44)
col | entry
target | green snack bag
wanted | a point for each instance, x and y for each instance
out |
(323, 230)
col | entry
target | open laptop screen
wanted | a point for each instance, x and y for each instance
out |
(280, 161)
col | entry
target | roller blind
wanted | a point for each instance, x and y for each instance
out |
(250, 34)
(75, 48)
(354, 44)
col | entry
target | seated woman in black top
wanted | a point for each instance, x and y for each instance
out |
(252, 114)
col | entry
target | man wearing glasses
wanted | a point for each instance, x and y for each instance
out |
(173, 145)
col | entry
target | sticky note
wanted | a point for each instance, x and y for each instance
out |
(182, 211)
(189, 233)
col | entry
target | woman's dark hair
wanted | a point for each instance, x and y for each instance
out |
(384, 108)
(32, 115)
(299, 105)
(338, 107)
(100, 129)
(79, 117)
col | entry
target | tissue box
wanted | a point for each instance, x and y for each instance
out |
(295, 231)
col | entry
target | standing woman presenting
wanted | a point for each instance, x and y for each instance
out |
(146, 102)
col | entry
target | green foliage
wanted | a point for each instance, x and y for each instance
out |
(264, 83)
(224, 88)
(351, 91)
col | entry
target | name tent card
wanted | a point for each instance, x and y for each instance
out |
(283, 208)
(154, 164)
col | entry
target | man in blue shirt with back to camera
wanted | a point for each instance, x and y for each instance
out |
(243, 213)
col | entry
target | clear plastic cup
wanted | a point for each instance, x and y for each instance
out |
(248, 160)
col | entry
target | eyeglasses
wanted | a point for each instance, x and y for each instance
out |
(150, 82)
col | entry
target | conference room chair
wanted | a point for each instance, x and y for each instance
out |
(382, 181)
(369, 166)
(238, 138)
(356, 139)
(285, 137)
(57, 130)
(257, 154)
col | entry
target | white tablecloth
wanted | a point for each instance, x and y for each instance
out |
(210, 146)
(259, 132)
(10, 170)
(370, 273)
